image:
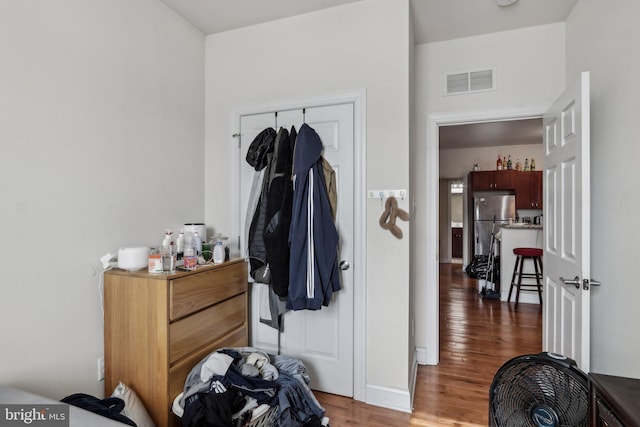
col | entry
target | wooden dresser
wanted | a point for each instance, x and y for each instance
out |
(158, 326)
(614, 401)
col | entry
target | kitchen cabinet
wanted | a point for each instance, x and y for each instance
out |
(491, 180)
(159, 326)
(456, 242)
(614, 401)
(528, 186)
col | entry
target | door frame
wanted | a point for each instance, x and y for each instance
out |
(358, 99)
(431, 301)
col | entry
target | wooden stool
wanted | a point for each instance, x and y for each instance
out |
(521, 254)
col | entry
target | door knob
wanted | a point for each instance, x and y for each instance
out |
(575, 282)
(344, 265)
(591, 283)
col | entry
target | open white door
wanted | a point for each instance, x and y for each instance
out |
(567, 257)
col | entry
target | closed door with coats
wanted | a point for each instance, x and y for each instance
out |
(322, 339)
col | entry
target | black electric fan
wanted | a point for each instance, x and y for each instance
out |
(539, 390)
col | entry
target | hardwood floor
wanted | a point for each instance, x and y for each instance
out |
(476, 338)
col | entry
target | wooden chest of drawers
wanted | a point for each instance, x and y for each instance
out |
(158, 326)
(614, 401)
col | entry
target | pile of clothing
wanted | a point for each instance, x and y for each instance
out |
(228, 385)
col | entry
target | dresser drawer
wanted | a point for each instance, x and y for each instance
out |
(178, 372)
(188, 334)
(191, 293)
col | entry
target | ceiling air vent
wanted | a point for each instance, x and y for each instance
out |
(469, 81)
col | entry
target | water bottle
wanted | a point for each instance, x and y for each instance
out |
(190, 257)
(197, 243)
(218, 252)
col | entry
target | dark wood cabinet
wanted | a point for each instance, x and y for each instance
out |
(492, 180)
(528, 186)
(456, 242)
(614, 401)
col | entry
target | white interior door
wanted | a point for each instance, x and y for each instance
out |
(322, 339)
(567, 255)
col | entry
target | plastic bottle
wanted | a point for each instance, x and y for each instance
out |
(155, 261)
(168, 238)
(190, 257)
(180, 243)
(197, 243)
(499, 163)
(218, 252)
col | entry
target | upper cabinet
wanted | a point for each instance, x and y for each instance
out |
(492, 180)
(528, 187)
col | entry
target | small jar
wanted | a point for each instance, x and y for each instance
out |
(155, 261)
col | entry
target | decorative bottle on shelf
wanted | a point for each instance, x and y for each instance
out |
(526, 164)
(509, 163)
(518, 164)
(533, 164)
(499, 163)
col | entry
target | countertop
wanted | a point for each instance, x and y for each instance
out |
(522, 226)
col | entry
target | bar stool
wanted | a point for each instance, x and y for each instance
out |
(522, 254)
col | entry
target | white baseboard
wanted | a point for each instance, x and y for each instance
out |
(421, 355)
(395, 398)
(390, 398)
(413, 379)
(526, 298)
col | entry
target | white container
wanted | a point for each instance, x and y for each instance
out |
(132, 259)
(218, 252)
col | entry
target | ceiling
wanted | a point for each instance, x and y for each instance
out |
(508, 132)
(434, 20)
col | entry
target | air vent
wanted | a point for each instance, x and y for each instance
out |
(469, 81)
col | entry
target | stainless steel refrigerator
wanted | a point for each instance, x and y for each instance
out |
(490, 209)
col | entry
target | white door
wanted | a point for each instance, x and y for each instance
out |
(567, 257)
(322, 339)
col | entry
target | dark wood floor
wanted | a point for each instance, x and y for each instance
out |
(476, 338)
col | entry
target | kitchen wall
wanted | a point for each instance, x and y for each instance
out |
(521, 82)
(362, 45)
(602, 38)
(101, 125)
(457, 163)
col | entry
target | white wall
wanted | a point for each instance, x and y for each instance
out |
(359, 45)
(602, 38)
(101, 126)
(457, 163)
(521, 81)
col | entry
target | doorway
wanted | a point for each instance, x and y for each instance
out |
(433, 167)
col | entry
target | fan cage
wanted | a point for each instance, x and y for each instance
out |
(540, 391)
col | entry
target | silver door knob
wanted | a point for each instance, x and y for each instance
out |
(344, 265)
(575, 282)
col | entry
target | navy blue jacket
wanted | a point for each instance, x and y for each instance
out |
(313, 238)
